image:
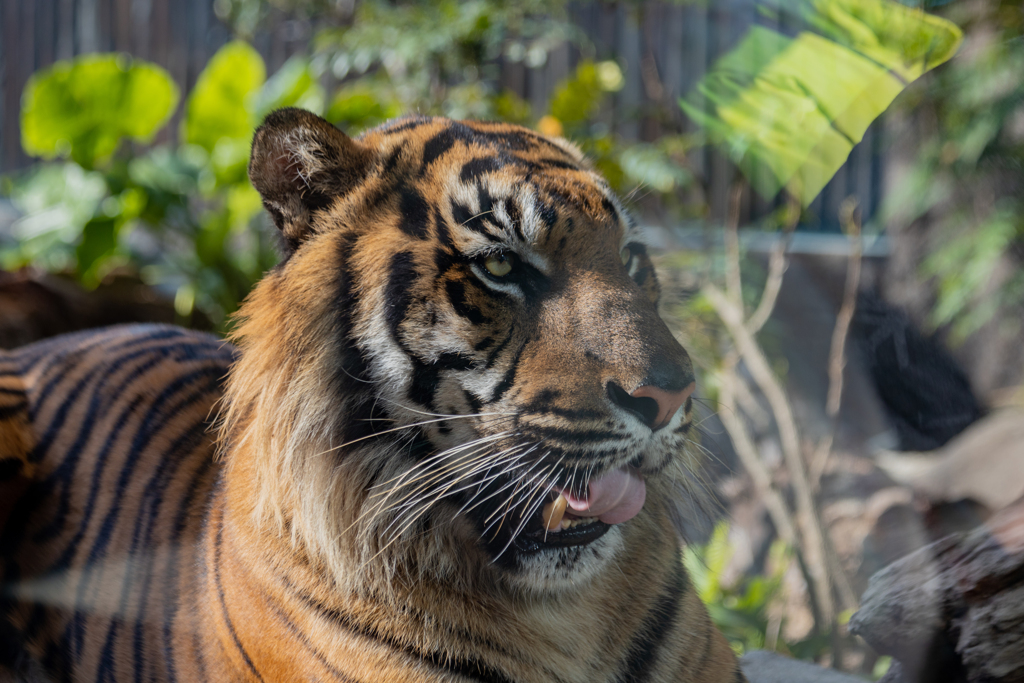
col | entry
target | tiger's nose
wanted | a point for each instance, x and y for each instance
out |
(653, 405)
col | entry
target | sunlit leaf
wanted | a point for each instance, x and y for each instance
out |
(576, 98)
(219, 106)
(788, 111)
(358, 107)
(85, 107)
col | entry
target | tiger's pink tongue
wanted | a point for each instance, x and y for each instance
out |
(614, 498)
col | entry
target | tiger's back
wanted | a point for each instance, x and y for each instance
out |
(108, 463)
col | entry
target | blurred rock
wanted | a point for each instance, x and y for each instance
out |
(761, 666)
(35, 305)
(954, 610)
(985, 463)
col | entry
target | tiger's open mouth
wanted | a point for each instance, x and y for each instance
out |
(567, 520)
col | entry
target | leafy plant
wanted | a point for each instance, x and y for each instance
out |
(177, 215)
(747, 611)
(85, 107)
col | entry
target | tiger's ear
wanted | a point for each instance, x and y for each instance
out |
(299, 164)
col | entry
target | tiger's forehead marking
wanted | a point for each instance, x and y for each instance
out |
(504, 186)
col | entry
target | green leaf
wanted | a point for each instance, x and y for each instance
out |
(219, 106)
(57, 201)
(575, 100)
(788, 111)
(85, 107)
(361, 106)
(99, 242)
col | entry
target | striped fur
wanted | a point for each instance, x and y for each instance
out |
(389, 425)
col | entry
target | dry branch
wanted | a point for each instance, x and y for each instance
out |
(776, 269)
(811, 534)
(747, 452)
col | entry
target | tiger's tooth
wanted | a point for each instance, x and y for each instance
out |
(553, 513)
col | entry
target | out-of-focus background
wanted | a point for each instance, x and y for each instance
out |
(833, 189)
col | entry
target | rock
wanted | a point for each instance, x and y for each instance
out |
(953, 610)
(761, 666)
(35, 305)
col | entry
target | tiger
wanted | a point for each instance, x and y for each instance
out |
(449, 438)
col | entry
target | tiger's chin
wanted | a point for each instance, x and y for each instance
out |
(563, 563)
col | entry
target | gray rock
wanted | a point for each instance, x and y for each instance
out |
(761, 666)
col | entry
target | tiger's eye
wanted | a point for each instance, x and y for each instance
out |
(625, 255)
(498, 265)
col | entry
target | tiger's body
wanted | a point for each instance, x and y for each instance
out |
(461, 343)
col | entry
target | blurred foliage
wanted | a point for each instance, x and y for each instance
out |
(749, 611)
(62, 114)
(966, 182)
(177, 215)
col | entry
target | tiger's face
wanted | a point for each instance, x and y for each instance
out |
(474, 338)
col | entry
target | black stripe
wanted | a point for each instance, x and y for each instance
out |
(404, 124)
(515, 217)
(510, 375)
(401, 274)
(470, 667)
(392, 160)
(444, 235)
(456, 291)
(424, 382)
(10, 467)
(282, 617)
(493, 356)
(186, 510)
(475, 406)
(573, 436)
(471, 170)
(643, 650)
(454, 361)
(474, 221)
(415, 220)
(346, 300)
(520, 139)
(548, 214)
(610, 208)
(223, 604)
(7, 412)
(486, 203)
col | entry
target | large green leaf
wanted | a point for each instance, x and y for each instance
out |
(788, 111)
(220, 105)
(86, 106)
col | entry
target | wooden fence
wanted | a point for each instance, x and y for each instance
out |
(664, 48)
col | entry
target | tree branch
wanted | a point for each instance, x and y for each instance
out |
(810, 526)
(747, 452)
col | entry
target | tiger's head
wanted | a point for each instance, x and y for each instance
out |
(458, 369)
